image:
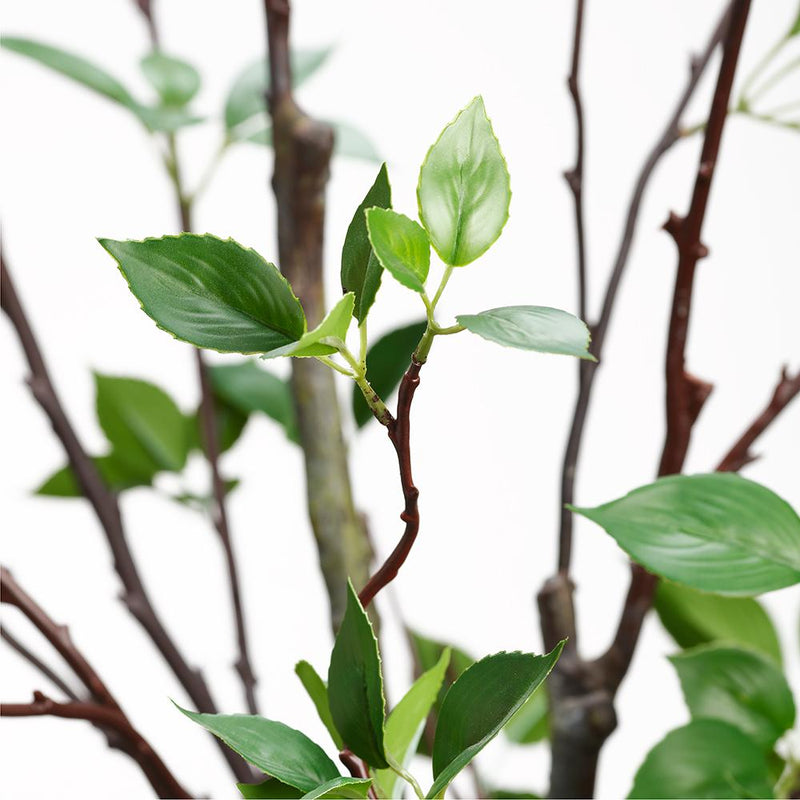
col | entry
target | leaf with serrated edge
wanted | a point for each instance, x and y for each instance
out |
(351, 788)
(318, 692)
(401, 245)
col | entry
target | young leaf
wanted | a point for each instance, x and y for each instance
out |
(211, 292)
(175, 80)
(694, 618)
(706, 758)
(117, 474)
(741, 687)
(276, 749)
(717, 533)
(479, 704)
(401, 246)
(530, 724)
(355, 685)
(546, 330)
(387, 360)
(351, 142)
(464, 189)
(361, 271)
(269, 789)
(203, 502)
(318, 692)
(352, 788)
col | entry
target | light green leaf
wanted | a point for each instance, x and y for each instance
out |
(269, 789)
(352, 143)
(705, 759)
(318, 692)
(479, 704)
(795, 29)
(176, 81)
(406, 722)
(401, 246)
(211, 292)
(203, 503)
(353, 788)
(464, 189)
(530, 724)
(546, 330)
(117, 474)
(741, 687)
(355, 685)
(276, 749)
(361, 271)
(694, 618)
(717, 533)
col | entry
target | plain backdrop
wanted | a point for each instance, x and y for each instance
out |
(489, 423)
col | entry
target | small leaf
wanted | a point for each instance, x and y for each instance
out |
(269, 789)
(530, 724)
(795, 29)
(355, 685)
(694, 618)
(546, 330)
(352, 788)
(318, 692)
(116, 474)
(361, 271)
(230, 423)
(464, 189)
(387, 361)
(276, 749)
(479, 704)
(211, 292)
(203, 503)
(175, 80)
(717, 533)
(741, 687)
(401, 246)
(706, 758)
(352, 143)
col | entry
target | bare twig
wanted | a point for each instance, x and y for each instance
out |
(38, 664)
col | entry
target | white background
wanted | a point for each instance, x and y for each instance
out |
(489, 423)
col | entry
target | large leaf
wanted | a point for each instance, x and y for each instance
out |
(269, 789)
(479, 704)
(717, 533)
(739, 686)
(705, 759)
(401, 246)
(546, 330)
(355, 685)
(276, 749)
(318, 692)
(352, 788)
(175, 80)
(211, 292)
(361, 271)
(694, 618)
(117, 474)
(464, 189)
(530, 724)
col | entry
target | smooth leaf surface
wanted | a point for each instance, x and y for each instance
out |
(230, 423)
(739, 686)
(361, 271)
(269, 789)
(355, 685)
(211, 292)
(175, 80)
(387, 361)
(546, 330)
(354, 788)
(116, 474)
(693, 618)
(401, 246)
(479, 704)
(276, 749)
(318, 692)
(530, 724)
(705, 759)
(717, 533)
(464, 189)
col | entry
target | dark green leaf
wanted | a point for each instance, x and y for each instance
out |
(401, 246)
(546, 330)
(530, 724)
(116, 474)
(230, 423)
(268, 790)
(276, 749)
(318, 692)
(705, 759)
(355, 685)
(352, 788)
(464, 189)
(739, 686)
(175, 80)
(479, 704)
(512, 794)
(795, 29)
(211, 292)
(693, 618)
(361, 271)
(717, 533)
(387, 360)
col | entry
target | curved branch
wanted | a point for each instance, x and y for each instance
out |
(38, 664)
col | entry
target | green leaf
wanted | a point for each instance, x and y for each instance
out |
(318, 692)
(546, 330)
(512, 794)
(795, 29)
(464, 189)
(352, 143)
(276, 749)
(530, 724)
(269, 789)
(211, 292)
(117, 474)
(250, 388)
(355, 788)
(694, 618)
(741, 687)
(230, 423)
(355, 685)
(406, 722)
(387, 360)
(401, 246)
(479, 704)
(717, 533)
(361, 271)
(176, 81)
(705, 759)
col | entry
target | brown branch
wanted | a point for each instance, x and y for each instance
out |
(38, 664)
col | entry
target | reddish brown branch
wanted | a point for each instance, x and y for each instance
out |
(38, 664)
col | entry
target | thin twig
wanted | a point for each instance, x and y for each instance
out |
(38, 664)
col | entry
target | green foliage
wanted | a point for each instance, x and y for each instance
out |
(355, 788)
(401, 246)
(717, 533)
(269, 789)
(176, 81)
(530, 724)
(116, 474)
(318, 692)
